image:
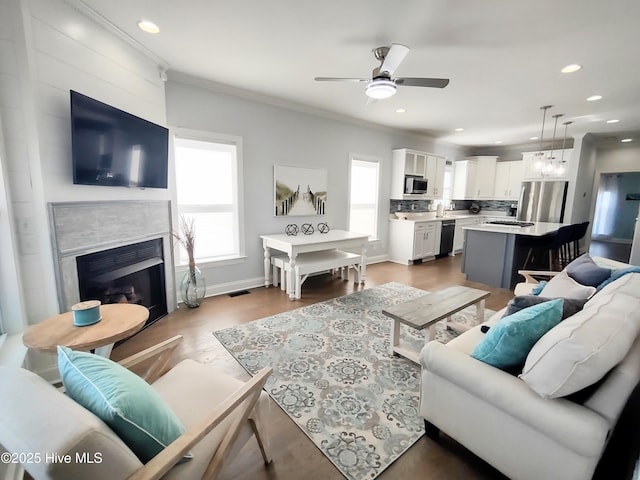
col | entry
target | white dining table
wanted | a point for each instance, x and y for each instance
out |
(293, 245)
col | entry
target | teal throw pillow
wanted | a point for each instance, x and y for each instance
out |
(123, 400)
(508, 342)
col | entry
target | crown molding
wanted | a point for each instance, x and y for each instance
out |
(82, 7)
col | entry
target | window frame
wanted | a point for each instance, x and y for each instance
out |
(377, 161)
(220, 138)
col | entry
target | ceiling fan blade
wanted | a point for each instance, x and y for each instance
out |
(338, 79)
(394, 57)
(422, 82)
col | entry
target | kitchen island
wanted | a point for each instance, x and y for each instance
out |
(493, 254)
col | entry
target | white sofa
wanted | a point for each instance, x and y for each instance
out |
(501, 419)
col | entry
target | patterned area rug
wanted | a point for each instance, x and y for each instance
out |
(333, 375)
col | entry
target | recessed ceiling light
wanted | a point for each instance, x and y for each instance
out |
(401, 110)
(459, 129)
(574, 67)
(626, 140)
(533, 138)
(498, 141)
(593, 98)
(148, 26)
(613, 120)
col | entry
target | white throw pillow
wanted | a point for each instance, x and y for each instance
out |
(583, 348)
(563, 286)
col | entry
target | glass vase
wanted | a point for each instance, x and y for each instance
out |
(193, 287)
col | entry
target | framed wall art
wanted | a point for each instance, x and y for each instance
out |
(299, 191)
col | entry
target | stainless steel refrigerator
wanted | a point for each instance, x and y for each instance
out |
(542, 201)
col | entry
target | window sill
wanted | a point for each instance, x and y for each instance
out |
(213, 263)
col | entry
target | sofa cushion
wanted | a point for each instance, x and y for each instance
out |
(508, 342)
(583, 348)
(563, 286)
(570, 306)
(123, 400)
(585, 271)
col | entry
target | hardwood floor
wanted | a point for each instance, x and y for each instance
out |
(294, 455)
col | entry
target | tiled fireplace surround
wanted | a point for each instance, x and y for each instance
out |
(79, 228)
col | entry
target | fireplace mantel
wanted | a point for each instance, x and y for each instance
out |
(79, 228)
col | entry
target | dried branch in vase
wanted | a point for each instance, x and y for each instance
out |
(187, 237)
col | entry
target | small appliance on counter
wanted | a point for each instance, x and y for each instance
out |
(513, 209)
(474, 208)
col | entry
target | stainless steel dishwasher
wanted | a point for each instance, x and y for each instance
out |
(446, 236)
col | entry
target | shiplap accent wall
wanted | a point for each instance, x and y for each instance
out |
(49, 49)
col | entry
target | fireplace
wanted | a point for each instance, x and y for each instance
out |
(132, 273)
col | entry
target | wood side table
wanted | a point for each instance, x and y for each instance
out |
(119, 321)
(429, 309)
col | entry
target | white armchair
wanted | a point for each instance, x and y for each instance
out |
(220, 414)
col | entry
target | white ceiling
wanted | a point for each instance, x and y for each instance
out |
(503, 58)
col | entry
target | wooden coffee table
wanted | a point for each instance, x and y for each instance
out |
(119, 321)
(429, 309)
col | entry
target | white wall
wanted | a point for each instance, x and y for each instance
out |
(47, 49)
(273, 134)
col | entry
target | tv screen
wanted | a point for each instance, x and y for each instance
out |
(114, 148)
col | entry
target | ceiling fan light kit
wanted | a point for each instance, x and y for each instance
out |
(381, 84)
(380, 88)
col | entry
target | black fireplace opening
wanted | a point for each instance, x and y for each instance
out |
(129, 274)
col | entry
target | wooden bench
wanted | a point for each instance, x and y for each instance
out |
(314, 262)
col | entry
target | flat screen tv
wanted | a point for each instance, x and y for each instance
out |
(114, 148)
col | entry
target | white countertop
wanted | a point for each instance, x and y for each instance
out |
(431, 216)
(537, 230)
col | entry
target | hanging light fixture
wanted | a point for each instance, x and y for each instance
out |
(549, 165)
(562, 163)
(539, 163)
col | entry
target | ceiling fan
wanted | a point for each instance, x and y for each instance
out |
(381, 85)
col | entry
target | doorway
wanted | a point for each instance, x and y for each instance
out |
(614, 217)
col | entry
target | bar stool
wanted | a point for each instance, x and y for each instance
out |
(579, 233)
(551, 248)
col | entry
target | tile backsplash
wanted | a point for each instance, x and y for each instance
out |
(426, 205)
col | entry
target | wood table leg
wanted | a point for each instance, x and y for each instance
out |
(395, 336)
(480, 311)
(431, 332)
(267, 267)
(291, 277)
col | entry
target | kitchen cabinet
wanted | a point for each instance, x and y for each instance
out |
(538, 167)
(424, 240)
(435, 176)
(508, 180)
(474, 178)
(422, 164)
(410, 241)
(458, 236)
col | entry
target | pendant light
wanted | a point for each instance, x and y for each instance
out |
(539, 164)
(549, 167)
(561, 167)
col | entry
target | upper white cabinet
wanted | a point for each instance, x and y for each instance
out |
(422, 164)
(508, 180)
(435, 176)
(474, 178)
(551, 165)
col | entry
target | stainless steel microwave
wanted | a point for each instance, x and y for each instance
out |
(415, 185)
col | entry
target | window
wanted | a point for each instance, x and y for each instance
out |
(363, 206)
(208, 190)
(448, 183)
